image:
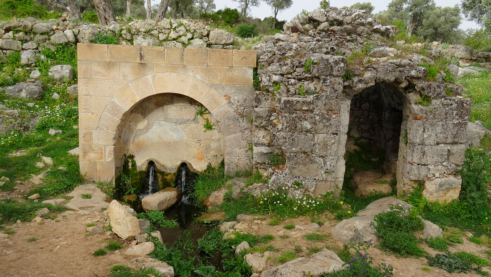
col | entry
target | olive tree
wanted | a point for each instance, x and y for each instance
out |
(278, 5)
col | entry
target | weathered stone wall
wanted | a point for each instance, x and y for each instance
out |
(115, 79)
(165, 129)
(303, 108)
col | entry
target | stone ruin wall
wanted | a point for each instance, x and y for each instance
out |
(311, 131)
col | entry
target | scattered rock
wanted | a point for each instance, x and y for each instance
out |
(383, 205)
(215, 198)
(94, 204)
(62, 73)
(219, 36)
(54, 132)
(33, 91)
(40, 165)
(47, 160)
(325, 261)
(143, 223)
(124, 224)
(141, 238)
(161, 200)
(42, 211)
(74, 151)
(5, 179)
(161, 267)
(59, 38)
(94, 230)
(224, 227)
(140, 249)
(29, 57)
(257, 262)
(242, 247)
(157, 235)
(41, 28)
(443, 190)
(35, 74)
(34, 196)
(431, 230)
(55, 96)
(54, 202)
(72, 90)
(9, 44)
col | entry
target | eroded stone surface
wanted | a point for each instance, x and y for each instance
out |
(126, 226)
(161, 200)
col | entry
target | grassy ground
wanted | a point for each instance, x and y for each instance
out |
(477, 88)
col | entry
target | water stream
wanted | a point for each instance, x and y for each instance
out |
(151, 181)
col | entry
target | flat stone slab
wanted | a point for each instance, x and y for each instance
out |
(94, 204)
(383, 205)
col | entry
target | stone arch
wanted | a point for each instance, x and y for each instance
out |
(151, 85)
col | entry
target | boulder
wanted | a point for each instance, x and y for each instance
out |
(29, 57)
(70, 35)
(224, 227)
(144, 224)
(318, 15)
(256, 261)
(34, 196)
(209, 217)
(215, 198)
(161, 200)
(161, 267)
(87, 33)
(355, 229)
(384, 205)
(431, 230)
(125, 226)
(243, 246)
(444, 189)
(9, 44)
(94, 204)
(369, 182)
(47, 160)
(35, 74)
(94, 230)
(74, 151)
(62, 73)
(33, 91)
(325, 261)
(59, 38)
(381, 52)
(475, 133)
(219, 36)
(140, 249)
(42, 211)
(42, 28)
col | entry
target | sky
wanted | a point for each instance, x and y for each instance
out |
(298, 5)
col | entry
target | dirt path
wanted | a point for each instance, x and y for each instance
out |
(63, 248)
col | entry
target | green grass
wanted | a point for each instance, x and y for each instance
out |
(86, 196)
(11, 211)
(439, 244)
(315, 237)
(476, 240)
(91, 224)
(124, 271)
(427, 269)
(284, 236)
(32, 239)
(274, 222)
(477, 89)
(8, 231)
(289, 226)
(157, 218)
(113, 246)
(313, 250)
(100, 252)
(286, 257)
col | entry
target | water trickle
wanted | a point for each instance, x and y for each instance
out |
(184, 182)
(151, 182)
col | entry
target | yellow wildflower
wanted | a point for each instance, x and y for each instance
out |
(349, 212)
(261, 202)
(341, 202)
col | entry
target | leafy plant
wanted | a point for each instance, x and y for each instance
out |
(158, 218)
(315, 237)
(438, 244)
(274, 222)
(475, 175)
(308, 65)
(454, 239)
(451, 263)
(395, 230)
(100, 252)
(348, 75)
(255, 77)
(91, 17)
(425, 100)
(91, 224)
(201, 111)
(448, 92)
(208, 125)
(361, 263)
(86, 196)
(476, 240)
(297, 184)
(276, 159)
(302, 91)
(277, 87)
(102, 38)
(124, 271)
(247, 31)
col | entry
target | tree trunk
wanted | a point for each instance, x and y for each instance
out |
(174, 12)
(128, 8)
(149, 10)
(74, 9)
(104, 11)
(164, 5)
(58, 5)
(275, 14)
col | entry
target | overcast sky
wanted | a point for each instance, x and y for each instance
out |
(298, 5)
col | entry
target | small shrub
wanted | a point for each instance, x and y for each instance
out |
(284, 236)
(395, 231)
(256, 83)
(315, 237)
(448, 92)
(308, 65)
(100, 252)
(348, 75)
(101, 38)
(247, 31)
(439, 244)
(289, 227)
(427, 269)
(91, 224)
(425, 100)
(277, 87)
(313, 250)
(473, 259)
(91, 17)
(114, 246)
(286, 257)
(451, 263)
(274, 222)
(8, 231)
(158, 218)
(277, 159)
(208, 125)
(297, 184)
(297, 248)
(32, 239)
(302, 91)
(86, 196)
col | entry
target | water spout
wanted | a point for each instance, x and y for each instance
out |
(184, 183)
(151, 182)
